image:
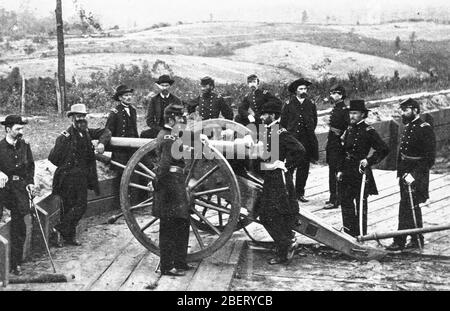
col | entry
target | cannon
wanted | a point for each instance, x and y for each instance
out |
(222, 199)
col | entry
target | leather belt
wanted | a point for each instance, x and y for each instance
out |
(405, 157)
(176, 169)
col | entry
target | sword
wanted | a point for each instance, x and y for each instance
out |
(413, 213)
(36, 213)
(361, 201)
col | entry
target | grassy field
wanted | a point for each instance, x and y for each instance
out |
(222, 39)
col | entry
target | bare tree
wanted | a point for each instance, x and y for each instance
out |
(412, 39)
(304, 17)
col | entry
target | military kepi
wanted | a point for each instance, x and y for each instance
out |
(173, 110)
(358, 105)
(271, 107)
(13, 120)
(165, 79)
(410, 103)
(121, 90)
(207, 81)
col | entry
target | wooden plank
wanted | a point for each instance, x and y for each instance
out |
(143, 275)
(120, 269)
(4, 261)
(103, 205)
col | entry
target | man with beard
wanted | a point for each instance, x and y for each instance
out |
(416, 157)
(76, 171)
(122, 121)
(16, 181)
(278, 205)
(358, 140)
(171, 201)
(210, 105)
(338, 124)
(157, 105)
(250, 109)
(299, 117)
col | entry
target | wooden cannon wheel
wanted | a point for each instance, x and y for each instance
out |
(214, 198)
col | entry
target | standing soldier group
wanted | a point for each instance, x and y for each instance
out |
(348, 155)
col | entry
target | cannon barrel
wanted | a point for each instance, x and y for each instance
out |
(242, 147)
(387, 235)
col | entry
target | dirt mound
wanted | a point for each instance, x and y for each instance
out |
(317, 62)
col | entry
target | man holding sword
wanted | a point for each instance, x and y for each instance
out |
(416, 157)
(354, 171)
(16, 182)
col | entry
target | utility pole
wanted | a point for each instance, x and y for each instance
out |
(61, 84)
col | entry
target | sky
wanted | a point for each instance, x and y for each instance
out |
(147, 12)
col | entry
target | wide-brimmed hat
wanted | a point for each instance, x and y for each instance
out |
(77, 109)
(410, 103)
(13, 120)
(358, 105)
(271, 107)
(122, 89)
(165, 79)
(294, 85)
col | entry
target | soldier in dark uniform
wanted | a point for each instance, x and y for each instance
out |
(171, 201)
(157, 105)
(338, 124)
(76, 171)
(278, 205)
(416, 157)
(358, 139)
(210, 105)
(299, 117)
(249, 110)
(16, 181)
(122, 121)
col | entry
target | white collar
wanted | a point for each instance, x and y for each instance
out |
(360, 122)
(165, 97)
(10, 141)
(273, 123)
(166, 126)
(301, 100)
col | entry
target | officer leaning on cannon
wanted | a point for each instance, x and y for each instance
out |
(416, 157)
(157, 105)
(278, 205)
(16, 183)
(76, 171)
(299, 117)
(122, 121)
(249, 110)
(358, 140)
(171, 202)
(338, 124)
(210, 105)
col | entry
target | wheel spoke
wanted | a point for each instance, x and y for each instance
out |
(133, 185)
(143, 174)
(197, 235)
(141, 205)
(204, 177)
(191, 169)
(149, 224)
(212, 191)
(220, 219)
(145, 168)
(206, 221)
(212, 206)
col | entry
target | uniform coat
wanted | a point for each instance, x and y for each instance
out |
(171, 204)
(339, 121)
(254, 101)
(155, 113)
(210, 107)
(358, 140)
(416, 156)
(76, 172)
(278, 202)
(122, 125)
(17, 163)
